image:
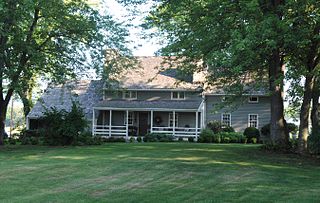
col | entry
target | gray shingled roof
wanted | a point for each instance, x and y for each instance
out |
(151, 73)
(142, 104)
(86, 92)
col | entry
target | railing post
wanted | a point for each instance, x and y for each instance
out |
(197, 124)
(151, 122)
(174, 123)
(127, 125)
(93, 118)
(110, 123)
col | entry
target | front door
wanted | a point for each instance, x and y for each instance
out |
(143, 123)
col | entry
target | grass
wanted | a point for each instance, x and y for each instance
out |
(156, 172)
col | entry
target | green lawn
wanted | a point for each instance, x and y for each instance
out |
(156, 172)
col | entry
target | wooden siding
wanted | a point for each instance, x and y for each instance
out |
(239, 116)
(152, 95)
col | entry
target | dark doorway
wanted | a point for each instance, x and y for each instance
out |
(143, 123)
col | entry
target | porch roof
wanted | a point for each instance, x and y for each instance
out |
(192, 105)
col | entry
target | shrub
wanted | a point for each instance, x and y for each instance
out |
(12, 141)
(217, 126)
(62, 127)
(132, 139)
(139, 139)
(180, 139)
(206, 136)
(231, 137)
(158, 137)
(115, 139)
(34, 140)
(190, 139)
(314, 143)
(250, 133)
(265, 130)
(25, 140)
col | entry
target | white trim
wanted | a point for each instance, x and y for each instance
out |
(197, 114)
(178, 94)
(252, 114)
(127, 126)
(221, 94)
(175, 118)
(253, 102)
(230, 121)
(110, 122)
(93, 121)
(151, 121)
(132, 114)
(145, 109)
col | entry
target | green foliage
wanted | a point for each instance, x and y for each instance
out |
(139, 139)
(265, 130)
(62, 127)
(114, 139)
(207, 136)
(231, 137)
(217, 126)
(190, 139)
(292, 128)
(158, 137)
(252, 134)
(56, 40)
(314, 143)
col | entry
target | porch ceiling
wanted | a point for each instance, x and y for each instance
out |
(142, 104)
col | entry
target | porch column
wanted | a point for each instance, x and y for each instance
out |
(93, 118)
(151, 121)
(197, 114)
(127, 125)
(174, 123)
(110, 119)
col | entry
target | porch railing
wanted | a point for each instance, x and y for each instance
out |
(178, 131)
(105, 130)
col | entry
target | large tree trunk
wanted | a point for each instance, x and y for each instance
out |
(305, 113)
(278, 132)
(3, 112)
(315, 108)
(26, 101)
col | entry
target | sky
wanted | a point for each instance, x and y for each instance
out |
(139, 46)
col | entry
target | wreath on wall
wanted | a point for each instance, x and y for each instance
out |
(158, 120)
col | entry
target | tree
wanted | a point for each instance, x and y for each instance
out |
(53, 38)
(241, 44)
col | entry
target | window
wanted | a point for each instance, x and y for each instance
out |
(253, 120)
(178, 95)
(253, 99)
(130, 118)
(226, 119)
(129, 95)
(171, 119)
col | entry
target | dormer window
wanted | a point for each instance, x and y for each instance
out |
(253, 99)
(129, 95)
(177, 95)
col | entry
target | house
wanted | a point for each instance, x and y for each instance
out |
(151, 99)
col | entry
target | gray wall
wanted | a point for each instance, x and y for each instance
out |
(239, 116)
(153, 95)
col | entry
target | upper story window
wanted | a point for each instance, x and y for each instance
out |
(253, 120)
(129, 95)
(178, 95)
(226, 119)
(253, 99)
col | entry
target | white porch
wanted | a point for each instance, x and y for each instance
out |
(138, 122)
